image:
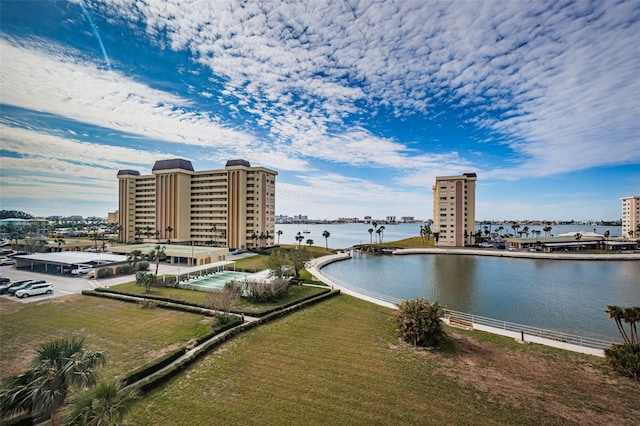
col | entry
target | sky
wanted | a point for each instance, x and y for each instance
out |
(358, 105)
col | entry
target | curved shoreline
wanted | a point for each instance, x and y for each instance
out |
(520, 254)
(314, 267)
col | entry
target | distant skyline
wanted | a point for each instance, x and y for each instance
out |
(357, 105)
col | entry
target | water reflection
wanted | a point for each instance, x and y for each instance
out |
(563, 295)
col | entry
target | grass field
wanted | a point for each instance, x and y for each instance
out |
(128, 335)
(340, 362)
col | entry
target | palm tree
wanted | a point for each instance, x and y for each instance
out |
(617, 313)
(381, 233)
(326, 234)
(370, 235)
(525, 231)
(57, 366)
(254, 237)
(169, 230)
(133, 257)
(515, 227)
(547, 230)
(156, 253)
(578, 236)
(158, 235)
(60, 241)
(104, 405)
(279, 232)
(631, 316)
(309, 242)
(262, 237)
(299, 238)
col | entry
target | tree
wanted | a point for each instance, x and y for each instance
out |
(326, 234)
(436, 236)
(223, 300)
(59, 241)
(276, 263)
(254, 237)
(134, 257)
(213, 232)
(380, 232)
(625, 358)
(156, 253)
(169, 230)
(578, 236)
(370, 230)
(299, 238)
(547, 231)
(279, 232)
(298, 258)
(418, 322)
(146, 280)
(58, 366)
(223, 235)
(104, 405)
(515, 227)
(309, 242)
(262, 237)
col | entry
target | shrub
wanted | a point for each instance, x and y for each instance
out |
(148, 304)
(624, 359)
(143, 266)
(103, 273)
(264, 291)
(124, 269)
(418, 322)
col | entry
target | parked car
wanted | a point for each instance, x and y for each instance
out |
(12, 291)
(237, 251)
(7, 261)
(4, 280)
(82, 270)
(486, 245)
(511, 248)
(42, 288)
(4, 288)
(532, 249)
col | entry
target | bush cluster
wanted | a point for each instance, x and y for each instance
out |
(624, 359)
(264, 291)
(418, 322)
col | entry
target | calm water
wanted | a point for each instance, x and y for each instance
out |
(349, 234)
(563, 295)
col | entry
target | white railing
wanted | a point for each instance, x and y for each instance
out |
(525, 330)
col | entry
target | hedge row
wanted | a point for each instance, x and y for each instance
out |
(132, 298)
(151, 383)
(197, 305)
(150, 368)
(217, 330)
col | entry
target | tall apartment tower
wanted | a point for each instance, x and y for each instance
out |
(631, 217)
(233, 207)
(454, 209)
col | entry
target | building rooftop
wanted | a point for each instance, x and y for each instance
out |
(176, 163)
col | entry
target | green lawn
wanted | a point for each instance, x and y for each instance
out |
(339, 362)
(128, 335)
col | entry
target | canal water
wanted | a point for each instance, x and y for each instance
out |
(562, 295)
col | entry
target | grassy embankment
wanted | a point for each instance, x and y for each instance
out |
(128, 335)
(340, 363)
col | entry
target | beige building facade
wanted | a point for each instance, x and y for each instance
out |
(232, 207)
(454, 209)
(631, 217)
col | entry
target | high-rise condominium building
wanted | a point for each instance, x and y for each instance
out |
(233, 207)
(454, 209)
(631, 217)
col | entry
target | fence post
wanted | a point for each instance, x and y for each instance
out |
(522, 335)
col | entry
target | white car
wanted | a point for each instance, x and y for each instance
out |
(7, 261)
(42, 288)
(82, 270)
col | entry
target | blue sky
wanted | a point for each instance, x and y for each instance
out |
(357, 104)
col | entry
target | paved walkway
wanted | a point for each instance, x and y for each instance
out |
(314, 267)
(522, 254)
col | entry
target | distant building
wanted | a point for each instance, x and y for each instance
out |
(407, 219)
(390, 219)
(631, 217)
(112, 218)
(233, 207)
(454, 209)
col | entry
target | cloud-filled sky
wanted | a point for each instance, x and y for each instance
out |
(357, 104)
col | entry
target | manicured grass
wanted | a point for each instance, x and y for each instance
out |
(296, 292)
(128, 335)
(339, 362)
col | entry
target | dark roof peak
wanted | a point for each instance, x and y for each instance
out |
(128, 172)
(176, 163)
(244, 163)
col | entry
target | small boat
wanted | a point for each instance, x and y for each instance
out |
(306, 231)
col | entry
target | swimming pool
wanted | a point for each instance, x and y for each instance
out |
(214, 281)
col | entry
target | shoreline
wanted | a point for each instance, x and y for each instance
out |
(314, 267)
(520, 254)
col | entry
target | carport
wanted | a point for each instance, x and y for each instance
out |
(61, 262)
